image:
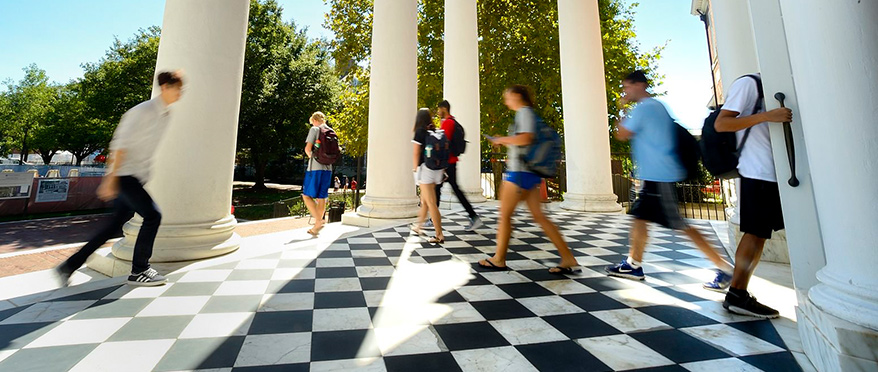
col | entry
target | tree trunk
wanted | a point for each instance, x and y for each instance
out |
(24, 150)
(260, 175)
(47, 155)
(357, 191)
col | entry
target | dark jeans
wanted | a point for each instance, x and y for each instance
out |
(451, 171)
(132, 198)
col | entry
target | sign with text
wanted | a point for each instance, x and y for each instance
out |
(15, 185)
(52, 190)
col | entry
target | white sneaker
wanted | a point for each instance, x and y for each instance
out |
(474, 224)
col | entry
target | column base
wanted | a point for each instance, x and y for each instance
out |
(388, 208)
(835, 344)
(591, 203)
(183, 242)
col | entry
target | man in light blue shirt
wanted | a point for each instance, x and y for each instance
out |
(653, 135)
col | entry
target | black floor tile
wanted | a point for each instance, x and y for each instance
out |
(374, 284)
(607, 284)
(538, 275)
(16, 336)
(594, 301)
(435, 259)
(678, 346)
(48, 359)
(337, 300)
(10, 312)
(201, 353)
(478, 335)
(671, 368)
(91, 295)
(300, 367)
(340, 345)
(364, 246)
(464, 251)
(774, 362)
(478, 279)
(674, 278)
(582, 325)
(450, 297)
(336, 272)
(296, 286)
(274, 322)
(676, 317)
(502, 309)
(435, 362)
(524, 290)
(335, 254)
(372, 261)
(561, 356)
(683, 296)
(763, 329)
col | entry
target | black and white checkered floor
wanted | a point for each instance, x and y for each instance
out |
(387, 301)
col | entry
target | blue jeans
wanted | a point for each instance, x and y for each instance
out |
(132, 198)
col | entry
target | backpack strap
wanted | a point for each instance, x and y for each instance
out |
(758, 106)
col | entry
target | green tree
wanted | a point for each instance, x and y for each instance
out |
(79, 134)
(27, 105)
(286, 78)
(45, 138)
(518, 45)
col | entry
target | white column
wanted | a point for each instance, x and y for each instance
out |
(192, 177)
(586, 140)
(390, 188)
(461, 87)
(735, 45)
(833, 54)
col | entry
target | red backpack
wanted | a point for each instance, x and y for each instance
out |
(327, 152)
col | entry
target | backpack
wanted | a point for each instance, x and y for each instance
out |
(720, 150)
(543, 154)
(687, 150)
(436, 152)
(458, 139)
(327, 152)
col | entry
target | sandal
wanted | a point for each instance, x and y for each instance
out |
(563, 270)
(435, 240)
(417, 230)
(492, 266)
(312, 232)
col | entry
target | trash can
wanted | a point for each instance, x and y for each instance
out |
(335, 211)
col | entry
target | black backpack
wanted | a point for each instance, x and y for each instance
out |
(436, 152)
(458, 139)
(720, 150)
(687, 150)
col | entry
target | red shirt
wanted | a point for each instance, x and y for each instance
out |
(448, 128)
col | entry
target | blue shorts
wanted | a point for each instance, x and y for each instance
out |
(524, 180)
(316, 184)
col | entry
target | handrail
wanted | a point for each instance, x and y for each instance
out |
(788, 139)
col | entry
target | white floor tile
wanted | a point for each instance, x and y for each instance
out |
(6, 353)
(273, 349)
(521, 264)
(629, 320)
(341, 319)
(74, 332)
(360, 365)
(727, 364)
(621, 352)
(527, 331)
(592, 261)
(205, 276)
(461, 312)
(242, 287)
(218, 325)
(406, 340)
(337, 285)
(731, 340)
(375, 271)
(258, 264)
(374, 298)
(182, 305)
(643, 296)
(290, 273)
(474, 293)
(47, 312)
(287, 302)
(500, 359)
(505, 277)
(565, 287)
(128, 356)
(335, 262)
(549, 305)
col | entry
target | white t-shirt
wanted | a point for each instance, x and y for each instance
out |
(756, 160)
(139, 133)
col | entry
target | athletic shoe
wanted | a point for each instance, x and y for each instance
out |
(474, 223)
(62, 276)
(148, 278)
(427, 225)
(748, 306)
(624, 270)
(720, 283)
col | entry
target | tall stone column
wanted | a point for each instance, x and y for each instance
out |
(586, 140)
(833, 54)
(193, 170)
(461, 88)
(735, 44)
(390, 189)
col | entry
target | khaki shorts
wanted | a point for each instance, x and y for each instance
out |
(426, 175)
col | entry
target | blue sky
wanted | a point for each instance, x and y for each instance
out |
(60, 35)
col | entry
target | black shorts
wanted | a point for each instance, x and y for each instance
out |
(761, 213)
(657, 202)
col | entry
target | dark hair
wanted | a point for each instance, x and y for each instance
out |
(637, 76)
(444, 104)
(424, 120)
(524, 92)
(167, 77)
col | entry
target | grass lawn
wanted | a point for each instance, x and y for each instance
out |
(252, 204)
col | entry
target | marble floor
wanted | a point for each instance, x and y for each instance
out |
(382, 300)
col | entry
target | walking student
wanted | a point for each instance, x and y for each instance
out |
(321, 146)
(520, 184)
(132, 150)
(759, 198)
(652, 133)
(429, 159)
(448, 126)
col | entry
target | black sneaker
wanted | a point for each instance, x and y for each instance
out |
(148, 278)
(748, 306)
(62, 276)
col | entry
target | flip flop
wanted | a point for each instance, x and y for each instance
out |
(312, 232)
(492, 266)
(417, 230)
(563, 270)
(435, 240)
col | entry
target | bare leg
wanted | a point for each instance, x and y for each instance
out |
(746, 258)
(510, 195)
(536, 210)
(320, 208)
(707, 249)
(428, 192)
(639, 235)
